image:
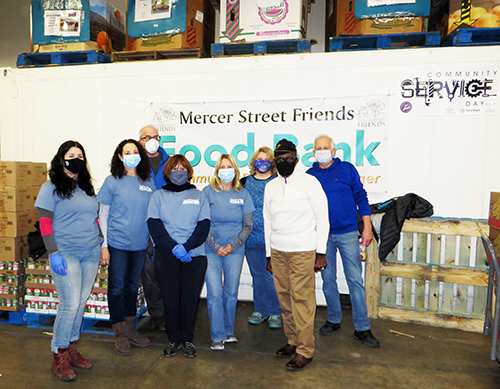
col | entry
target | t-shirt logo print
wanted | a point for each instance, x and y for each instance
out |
(236, 201)
(145, 188)
(191, 201)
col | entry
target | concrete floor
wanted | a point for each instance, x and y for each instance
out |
(431, 358)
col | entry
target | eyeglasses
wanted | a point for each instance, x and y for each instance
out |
(147, 138)
(287, 159)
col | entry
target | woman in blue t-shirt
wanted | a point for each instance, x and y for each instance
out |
(266, 304)
(231, 211)
(179, 220)
(68, 222)
(123, 204)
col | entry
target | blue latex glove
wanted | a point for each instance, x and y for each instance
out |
(58, 264)
(186, 258)
(180, 251)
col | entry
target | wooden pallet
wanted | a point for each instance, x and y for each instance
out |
(265, 47)
(474, 37)
(391, 41)
(84, 57)
(89, 325)
(152, 55)
(18, 317)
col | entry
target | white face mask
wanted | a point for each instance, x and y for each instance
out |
(323, 156)
(152, 146)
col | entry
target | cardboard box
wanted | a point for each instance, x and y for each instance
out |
(69, 21)
(368, 9)
(39, 173)
(341, 21)
(14, 198)
(15, 173)
(16, 224)
(31, 197)
(262, 20)
(494, 221)
(474, 14)
(190, 24)
(13, 249)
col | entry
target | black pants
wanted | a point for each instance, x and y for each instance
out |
(180, 284)
(152, 291)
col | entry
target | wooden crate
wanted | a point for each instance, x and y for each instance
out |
(436, 275)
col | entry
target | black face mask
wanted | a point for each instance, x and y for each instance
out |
(75, 165)
(285, 168)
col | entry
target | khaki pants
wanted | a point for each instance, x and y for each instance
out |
(294, 280)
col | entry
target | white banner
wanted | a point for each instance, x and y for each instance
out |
(437, 90)
(202, 132)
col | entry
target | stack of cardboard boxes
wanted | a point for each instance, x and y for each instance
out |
(68, 25)
(168, 25)
(19, 186)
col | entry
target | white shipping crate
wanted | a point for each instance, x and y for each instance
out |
(262, 20)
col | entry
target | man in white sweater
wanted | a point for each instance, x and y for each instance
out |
(296, 230)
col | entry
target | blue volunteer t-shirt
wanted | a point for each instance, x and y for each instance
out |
(227, 209)
(180, 213)
(75, 219)
(128, 200)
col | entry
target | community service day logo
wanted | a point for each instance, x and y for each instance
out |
(451, 91)
(164, 119)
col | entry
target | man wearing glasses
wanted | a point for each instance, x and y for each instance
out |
(296, 232)
(158, 157)
(346, 196)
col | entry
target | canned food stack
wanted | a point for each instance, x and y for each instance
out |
(19, 186)
(42, 298)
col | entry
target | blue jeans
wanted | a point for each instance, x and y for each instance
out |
(222, 279)
(125, 268)
(264, 292)
(73, 289)
(348, 246)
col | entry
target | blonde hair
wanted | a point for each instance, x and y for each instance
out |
(270, 155)
(332, 143)
(216, 182)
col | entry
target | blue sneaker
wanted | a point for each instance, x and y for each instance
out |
(257, 318)
(275, 322)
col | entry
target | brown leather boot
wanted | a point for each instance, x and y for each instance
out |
(133, 336)
(122, 345)
(76, 359)
(61, 366)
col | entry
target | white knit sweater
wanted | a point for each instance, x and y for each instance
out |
(295, 214)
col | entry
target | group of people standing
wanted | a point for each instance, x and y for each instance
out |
(149, 220)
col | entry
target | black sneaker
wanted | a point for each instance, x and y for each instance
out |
(328, 328)
(189, 350)
(367, 338)
(171, 349)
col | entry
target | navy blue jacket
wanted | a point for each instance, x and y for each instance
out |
(158, 178)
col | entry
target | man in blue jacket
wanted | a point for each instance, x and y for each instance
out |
(150, 140)
(346, 195)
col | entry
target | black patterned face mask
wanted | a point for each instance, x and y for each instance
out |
(75, 165)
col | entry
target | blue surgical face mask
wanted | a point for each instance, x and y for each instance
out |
(227, 175)
(131, 161)
(262, 166)
(179, 177)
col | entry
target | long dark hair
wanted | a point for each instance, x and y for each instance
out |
(117, 168)
(65, 185)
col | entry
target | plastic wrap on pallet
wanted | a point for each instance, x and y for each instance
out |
(161, 17)
(62, 22)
